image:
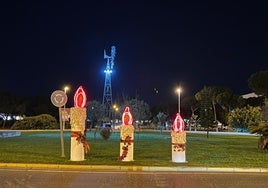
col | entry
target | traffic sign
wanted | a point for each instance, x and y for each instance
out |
(58, 98)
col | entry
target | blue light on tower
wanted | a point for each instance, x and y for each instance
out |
(107, 92)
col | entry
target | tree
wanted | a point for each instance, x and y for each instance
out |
(36, 105)
(206, 109)
(190, 105)
(254, 101)
(227, 101)
(214, 94)
(139, 109)
(223, 101)
(11, 104)
(95, 112)
(258, 82)
(244, 117)
(261, 129)
(162, 118)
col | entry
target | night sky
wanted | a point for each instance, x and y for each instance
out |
(48, 44)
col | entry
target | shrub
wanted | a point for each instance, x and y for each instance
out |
(43, 121)
(105, 133)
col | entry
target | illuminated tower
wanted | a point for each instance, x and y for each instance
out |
(107, 92)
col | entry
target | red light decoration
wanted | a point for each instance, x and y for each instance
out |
(178, 124)
(127, 117)
(80, 98)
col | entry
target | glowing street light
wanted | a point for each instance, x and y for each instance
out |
(115, 108)
(114, 114)
(66, 88)
(179, 99)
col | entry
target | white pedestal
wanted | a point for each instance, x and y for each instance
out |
(178, 147)
(178, 154)
(77, 118)
(126, 143)
(77, 150)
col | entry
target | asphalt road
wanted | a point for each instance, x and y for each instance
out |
(26, 178)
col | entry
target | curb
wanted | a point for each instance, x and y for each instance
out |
(129, 168)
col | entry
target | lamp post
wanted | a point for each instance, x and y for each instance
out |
(179, 100)
(66, 88)
(114, 116)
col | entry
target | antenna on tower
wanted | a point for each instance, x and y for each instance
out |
(107, 92)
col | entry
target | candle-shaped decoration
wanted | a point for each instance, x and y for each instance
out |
(126, 137)
(79, 145)
(178, 140)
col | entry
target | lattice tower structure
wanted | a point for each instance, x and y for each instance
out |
(107, 91)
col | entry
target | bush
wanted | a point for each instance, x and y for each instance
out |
(105, 133)
(43, 121)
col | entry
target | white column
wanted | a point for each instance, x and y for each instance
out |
(178, 147)
(126, 143)
(77, 120)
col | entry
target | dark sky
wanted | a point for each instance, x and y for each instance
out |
(160, 44)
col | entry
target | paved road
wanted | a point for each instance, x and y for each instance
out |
(26, 178)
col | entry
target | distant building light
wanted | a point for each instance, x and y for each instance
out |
(250, 95)
(18, 118)
(2, 116)
(10, 117)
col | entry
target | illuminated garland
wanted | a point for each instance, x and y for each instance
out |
(178, 147)
(81, 138)
(126, 130)
(78, 116)
(178, 138)
(127, 142)
(178, 141)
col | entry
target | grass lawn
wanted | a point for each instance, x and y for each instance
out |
(150, 149)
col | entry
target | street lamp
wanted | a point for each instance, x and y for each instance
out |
(179, 99)
(66, 88)
(115, 108)
(114, 116)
